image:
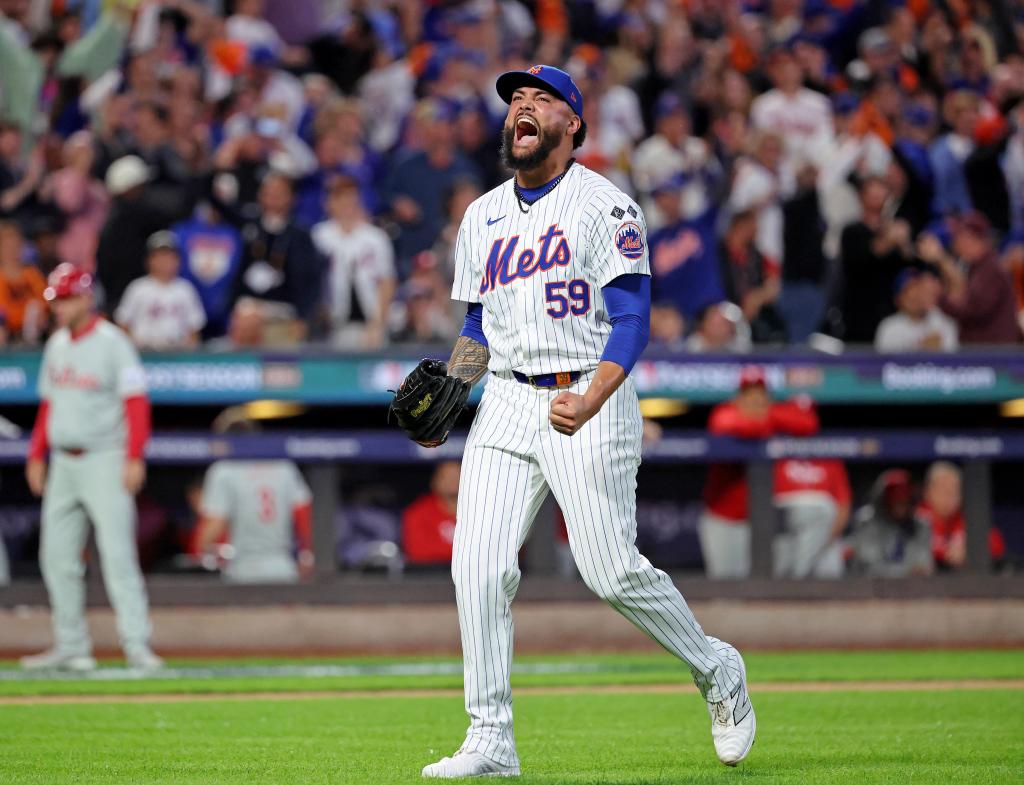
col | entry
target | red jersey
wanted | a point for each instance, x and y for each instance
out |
(725, 492)
(812, 476)
(428, 528)
(951, 531)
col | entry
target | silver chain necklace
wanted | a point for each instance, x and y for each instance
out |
(522, 200)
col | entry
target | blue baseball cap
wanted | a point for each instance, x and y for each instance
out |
(845, 103)
(545, 77)
(668, 102)
(263, 55)
(673, 181)
(905, 276)
(918, 115)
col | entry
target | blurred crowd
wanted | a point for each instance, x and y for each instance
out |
(268, 172)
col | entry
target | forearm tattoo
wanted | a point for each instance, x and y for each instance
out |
(469, 360)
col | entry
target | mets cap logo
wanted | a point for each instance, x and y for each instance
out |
(630, 241)
(536, 70)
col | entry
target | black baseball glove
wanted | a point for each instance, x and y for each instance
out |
(429, 402)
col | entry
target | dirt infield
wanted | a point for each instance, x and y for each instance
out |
(609, 689)
(542, 627)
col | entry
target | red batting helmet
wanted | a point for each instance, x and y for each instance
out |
(67, 281)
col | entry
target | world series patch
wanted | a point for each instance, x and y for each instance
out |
(630, 241)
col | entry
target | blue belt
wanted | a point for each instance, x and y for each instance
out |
(563, 379)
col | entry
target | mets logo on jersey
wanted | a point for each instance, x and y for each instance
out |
(630, 241)
(503, 266)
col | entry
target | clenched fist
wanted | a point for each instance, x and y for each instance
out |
(569, 412)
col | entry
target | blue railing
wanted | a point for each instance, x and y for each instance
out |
(683, 446)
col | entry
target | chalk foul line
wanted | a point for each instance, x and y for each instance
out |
(932, 685)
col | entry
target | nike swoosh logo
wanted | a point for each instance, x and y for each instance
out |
(741, 709)
(492, 221)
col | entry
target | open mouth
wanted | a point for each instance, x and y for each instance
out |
(527, 129)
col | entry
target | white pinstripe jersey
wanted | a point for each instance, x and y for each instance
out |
(539, 274)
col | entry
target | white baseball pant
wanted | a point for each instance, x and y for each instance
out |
(80, 489)
(724, 546)
(805, 547)
(512, 458)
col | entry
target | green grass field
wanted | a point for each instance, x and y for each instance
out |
(850, 734)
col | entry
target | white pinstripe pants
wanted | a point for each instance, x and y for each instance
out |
(513, 457)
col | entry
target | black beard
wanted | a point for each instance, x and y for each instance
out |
(549, 141)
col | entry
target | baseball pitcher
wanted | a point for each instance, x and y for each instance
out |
(554, 266)
(94, 421)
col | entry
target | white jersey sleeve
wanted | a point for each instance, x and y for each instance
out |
(383, 255)
(466, 287)
(128, 309)
(301, 495)
(617, 237)
(320, 234)
(131, 378)
(195, 315)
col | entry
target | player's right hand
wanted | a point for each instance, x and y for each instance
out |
(35, 473)
(569, 412)
(134, 475)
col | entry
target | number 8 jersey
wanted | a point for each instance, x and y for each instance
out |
(539, 273)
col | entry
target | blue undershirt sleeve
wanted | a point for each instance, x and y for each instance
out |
(473, 326)
(628, 302)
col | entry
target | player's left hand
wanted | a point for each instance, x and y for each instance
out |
(134, 475)
(569, 412)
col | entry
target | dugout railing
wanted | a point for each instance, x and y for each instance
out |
(324, 456)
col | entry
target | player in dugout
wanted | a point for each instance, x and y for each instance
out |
(941, 509)
(256, 506)
(724, 527)
(813, 497)
(428, 524)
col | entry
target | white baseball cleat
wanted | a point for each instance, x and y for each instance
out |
(732, 720)
(469, 764)
(143, 659)
(57, 660)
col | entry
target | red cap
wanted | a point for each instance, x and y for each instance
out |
(751, 375)
(990, 129)
(897, 486)
(975, 223)
(67, 281)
